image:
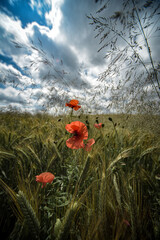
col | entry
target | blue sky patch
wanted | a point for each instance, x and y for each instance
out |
(9, 61)
(23, 11)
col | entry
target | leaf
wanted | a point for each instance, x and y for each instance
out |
(7, 154)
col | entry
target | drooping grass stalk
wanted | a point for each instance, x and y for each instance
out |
(102, 194)
(36, 158)
(133, 214)
(30, 219)
(66, 223)
(12, 195)
(102, 198)
(117, 192)
(71, 114)
(147, 45)
(84, 172)
(57, 152)
(122, 155)
(16, 234)
(57, 227)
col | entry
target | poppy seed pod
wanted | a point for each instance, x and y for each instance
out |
(110, 119)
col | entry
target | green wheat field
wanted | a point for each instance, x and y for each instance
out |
(111, 192)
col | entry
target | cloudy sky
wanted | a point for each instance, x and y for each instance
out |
(49, 56)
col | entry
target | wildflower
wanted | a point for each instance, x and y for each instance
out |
(73, 104)
(98, 125)
(79, 131)
(44, 178)
(90, 142)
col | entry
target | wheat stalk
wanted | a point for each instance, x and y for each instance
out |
(30, 218)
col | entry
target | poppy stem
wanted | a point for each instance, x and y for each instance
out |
(116, 133)
(71, 114)
(101, 133)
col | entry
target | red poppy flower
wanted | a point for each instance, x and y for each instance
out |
(98, 125)
(79, 131)
(44, 178)
(90, 142)
(73, 104)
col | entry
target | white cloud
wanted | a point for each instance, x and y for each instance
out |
(54, 18)
(12, 28)
(10, 94)
(36, 4)
(11, 76)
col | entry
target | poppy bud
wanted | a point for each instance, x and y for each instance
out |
(110, 119)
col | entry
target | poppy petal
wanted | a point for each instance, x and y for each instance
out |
(74, 102)
(76, 107)
(48, 178)
(81, 129)
(44, 178)
(75, 143)
(67, 105)
(39, 178)
(71, 128)
(78, 127)
(98, 125)
(89, 144)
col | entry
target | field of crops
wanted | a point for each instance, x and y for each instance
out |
(109, 190)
